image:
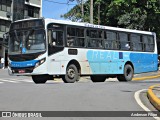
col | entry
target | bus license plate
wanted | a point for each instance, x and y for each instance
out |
(21, 71)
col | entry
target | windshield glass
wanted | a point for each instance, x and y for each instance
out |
(27, 41)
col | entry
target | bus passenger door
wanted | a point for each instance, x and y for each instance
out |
(55, 48)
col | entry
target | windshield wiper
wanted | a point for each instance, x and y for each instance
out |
(15, 31)
(29, 32)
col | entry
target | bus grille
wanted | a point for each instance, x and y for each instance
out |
(22, 70)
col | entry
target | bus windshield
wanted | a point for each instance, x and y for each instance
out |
(27, 37)
(27, 41)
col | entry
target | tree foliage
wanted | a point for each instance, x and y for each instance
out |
(132, 14)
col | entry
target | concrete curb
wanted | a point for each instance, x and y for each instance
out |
(134, 79)
(148, 77)
(153, 98)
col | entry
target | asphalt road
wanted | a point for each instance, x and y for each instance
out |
(21, 94)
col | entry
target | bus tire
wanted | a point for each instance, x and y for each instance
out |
(98, 78)
(71, 75)
(128, 73)
(39, 79)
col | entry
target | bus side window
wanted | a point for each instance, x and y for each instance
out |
(111, 40)
(124, 42)
(71, 34)
(79, 40)
(106, 43)
(136, 42)
(148, 43)
(114, 44)
(70, 40)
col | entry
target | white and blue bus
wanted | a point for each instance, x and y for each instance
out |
(48, 48)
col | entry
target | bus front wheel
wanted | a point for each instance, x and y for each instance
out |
(128, 73)
(71, 75)
(39, 79)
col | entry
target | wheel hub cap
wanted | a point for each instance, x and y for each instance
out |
(71, 73)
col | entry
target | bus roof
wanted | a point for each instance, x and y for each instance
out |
(66, 22)
(48, 20)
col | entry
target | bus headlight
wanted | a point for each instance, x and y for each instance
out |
(40, 62)
(37, 64)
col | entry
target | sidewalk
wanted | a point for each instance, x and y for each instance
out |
(149, 75)
(153, 92)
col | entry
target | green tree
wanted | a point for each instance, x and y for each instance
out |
(75, 13)
(132, 14)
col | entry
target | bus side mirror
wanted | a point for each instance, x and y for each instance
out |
(5, 39)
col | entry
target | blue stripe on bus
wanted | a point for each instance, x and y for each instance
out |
(112, 62)
(30, 63)
(144, 62)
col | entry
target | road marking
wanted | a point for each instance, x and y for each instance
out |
(138, 100)
(19, 80)
(25, 81)
(1, 82)
(15, 80)
(56, 81)
(8, 81)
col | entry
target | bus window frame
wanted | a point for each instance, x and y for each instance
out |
(123, 41)
(52, 29)
(117, 40)
(76, 36)
(86, 41)
(149, 44)
(96, 38)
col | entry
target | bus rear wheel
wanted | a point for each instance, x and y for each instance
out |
(98, 78)
(71, 75)
(40, 79)
(128, 73)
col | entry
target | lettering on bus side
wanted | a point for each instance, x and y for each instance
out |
(102, 56)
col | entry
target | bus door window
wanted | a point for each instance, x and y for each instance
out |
(55, 34)
(55, 41)
(56, 38)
